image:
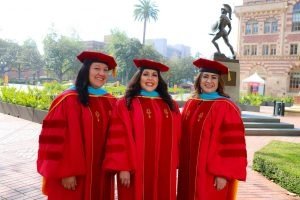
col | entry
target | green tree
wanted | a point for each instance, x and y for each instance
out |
(181, 70)
(21, 64)
(8, 55)
(60, 55)
(150, 53)
(145, 11)
(29, 57)
(125, 49)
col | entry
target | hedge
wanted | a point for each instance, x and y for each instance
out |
(257, 100)
(42, 98)
(280, 162)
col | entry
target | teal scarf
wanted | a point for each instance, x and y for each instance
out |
(210, 96)
(93, 91)
(149, 94)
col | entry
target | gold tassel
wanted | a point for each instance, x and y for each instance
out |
(232, 189)
(114, 72)
(228, 76)
(44, 190)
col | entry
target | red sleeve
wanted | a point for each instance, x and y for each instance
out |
(177, 129)
(227, 154)
(61, 151)
(120, 148)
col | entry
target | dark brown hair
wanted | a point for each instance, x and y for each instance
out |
(82, 81)
(198, 90)
(134, 89)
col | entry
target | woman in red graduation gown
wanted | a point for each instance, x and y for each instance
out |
(71, 143)
(143, 140)
(213, 150)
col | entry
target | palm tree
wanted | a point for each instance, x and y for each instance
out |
(144, 11)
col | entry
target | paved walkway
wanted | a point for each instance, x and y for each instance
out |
(18, 147)
(19, 179)
(257, 187)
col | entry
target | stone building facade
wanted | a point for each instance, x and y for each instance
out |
(269, 44)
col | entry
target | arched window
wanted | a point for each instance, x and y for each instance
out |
(296, 17)
(271, 25)
(251, 27)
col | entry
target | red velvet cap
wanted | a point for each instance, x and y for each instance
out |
(210, 66)
(150, 64)
(101, 57)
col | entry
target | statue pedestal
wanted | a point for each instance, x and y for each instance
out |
(232, 87)
(220, 56)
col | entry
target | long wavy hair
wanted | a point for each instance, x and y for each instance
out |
(198, 89)
(134, 89)
(82, 82)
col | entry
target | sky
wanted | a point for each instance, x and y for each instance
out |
(185, 22)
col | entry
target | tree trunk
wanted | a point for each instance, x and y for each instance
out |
(126, 77)
(144, 33)
(60, 77)
(19, 71)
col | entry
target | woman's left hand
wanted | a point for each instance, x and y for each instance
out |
(220, 183)
(125, 178)
(69, 183)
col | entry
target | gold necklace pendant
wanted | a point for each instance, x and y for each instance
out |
(97, 115)
(187, 114)
(166, 113)
(148, 111)
(200, 116)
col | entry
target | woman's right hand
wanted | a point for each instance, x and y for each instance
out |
(69, 183)
(125, 178)
(220, 183)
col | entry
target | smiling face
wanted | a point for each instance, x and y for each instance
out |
(149, 80)
(209, 82)
(98, 74)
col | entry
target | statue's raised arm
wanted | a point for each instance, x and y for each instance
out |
(220, 28)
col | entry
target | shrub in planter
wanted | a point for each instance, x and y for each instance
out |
(33, 97)
(116, 91)
(267, 101)
(177, 90)
(252, 99)
(257, 100)
(288, 100)
(28, 99)
(44, 101)
(8, 94)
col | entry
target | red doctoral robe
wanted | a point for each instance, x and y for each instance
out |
(145, 141)
(71, 143)
(213, 144)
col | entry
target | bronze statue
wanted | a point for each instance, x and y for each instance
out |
(220, 27)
